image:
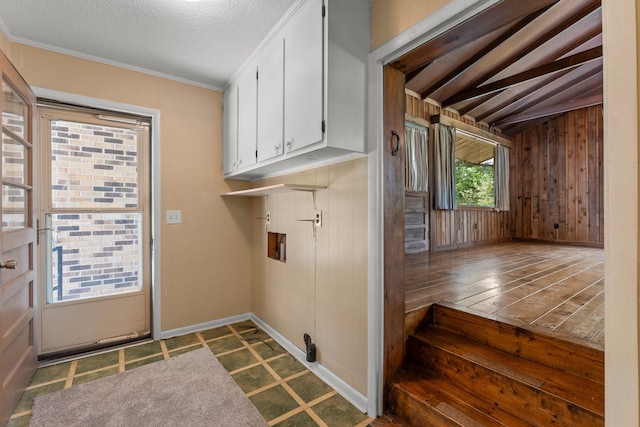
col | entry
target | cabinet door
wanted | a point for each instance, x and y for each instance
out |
(247, 117)
(271, 100)
(230, 123)
(303, 70)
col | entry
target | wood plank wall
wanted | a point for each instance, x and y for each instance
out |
(557, 186)
(462, 227)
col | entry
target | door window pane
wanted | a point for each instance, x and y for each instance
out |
(14, 208)
(14, 110)
(94, 254)
(93, 166)
(13, 160)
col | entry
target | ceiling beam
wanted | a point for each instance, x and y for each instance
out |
(562, 85)
(552, 110)
(511, 56)
(549, 68)
(482, 52)
(495, 17)
(582, 40)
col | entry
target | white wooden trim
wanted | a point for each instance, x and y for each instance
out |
(204, 326)
(156, 214)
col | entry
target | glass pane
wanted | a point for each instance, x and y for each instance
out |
(93, 255)
(14, 208)
(14, 110)
(13, 160)
(93, 166)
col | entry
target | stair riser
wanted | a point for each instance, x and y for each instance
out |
(414, 412)
(526, 402)
(570, 357)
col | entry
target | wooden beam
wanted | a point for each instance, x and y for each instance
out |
(482, 52)
(543, 70)
(448, 121)
(489, 20)
(529, 100)
(552, 110)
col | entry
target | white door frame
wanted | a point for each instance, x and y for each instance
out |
(156, 214)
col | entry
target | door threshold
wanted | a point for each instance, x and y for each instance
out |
(55, 358)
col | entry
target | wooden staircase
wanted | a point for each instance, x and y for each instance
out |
(466, 370)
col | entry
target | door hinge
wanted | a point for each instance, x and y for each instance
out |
(37, 231)
(323, 126)
(256, 154)
(324, 10)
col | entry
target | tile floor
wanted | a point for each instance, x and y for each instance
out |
(283, 390)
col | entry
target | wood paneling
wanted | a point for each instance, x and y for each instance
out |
(557, 179)
(465, 226)
(416, 222)
(393, 207)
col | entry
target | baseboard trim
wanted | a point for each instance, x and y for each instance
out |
(203, 326)
(354, 397)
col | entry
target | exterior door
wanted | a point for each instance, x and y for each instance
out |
(17, 240)
(96, 213)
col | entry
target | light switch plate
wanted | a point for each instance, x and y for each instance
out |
(174, 217)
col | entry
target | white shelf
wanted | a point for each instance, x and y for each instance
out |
(273, 189)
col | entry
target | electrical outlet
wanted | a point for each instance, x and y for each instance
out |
(318, 221)
(174, 217)
(268, 218)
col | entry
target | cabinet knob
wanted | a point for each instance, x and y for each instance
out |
(277, 147)
(240, 161)
(289, 143)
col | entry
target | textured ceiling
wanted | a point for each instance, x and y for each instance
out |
(200, 42)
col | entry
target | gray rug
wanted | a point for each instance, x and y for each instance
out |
(192, 389)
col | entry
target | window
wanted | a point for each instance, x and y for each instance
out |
(475, 173)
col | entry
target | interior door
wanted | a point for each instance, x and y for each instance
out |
(96, 213)
(17, 240)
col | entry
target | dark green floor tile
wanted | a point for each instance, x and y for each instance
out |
(253, 378)
(143, 350)
(309, 387)
(95, 375)
(246, 325)
(224, 344)
(22, 421)
(210, 334)
(237, 359)
(97, 362)
(26, 401)
(50, 373)
(286, 366)
(268, 349)
(174, 353)
(273, 402)
(298, 420)
(336, 411)
(142, 362)
(255, 335)
(181, 341)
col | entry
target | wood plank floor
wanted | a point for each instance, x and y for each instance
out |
(553, 288)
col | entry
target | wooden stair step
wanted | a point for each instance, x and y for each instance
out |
(424, 400)
(578, 391)
(563, 353)
(519, 394)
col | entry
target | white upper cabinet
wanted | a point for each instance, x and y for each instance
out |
(308, 105)
(247, 118)
(230, 130)
(270, 100)
(303, 70)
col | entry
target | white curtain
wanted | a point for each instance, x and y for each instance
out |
(416, 158)
(445, 167)
(502, 178)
